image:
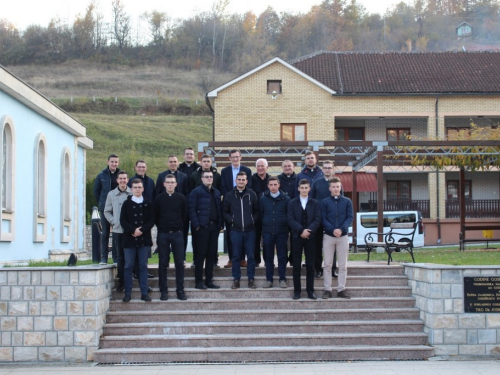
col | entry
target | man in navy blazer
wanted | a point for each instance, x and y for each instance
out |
(228, 182)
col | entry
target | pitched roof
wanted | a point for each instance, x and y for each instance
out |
(355, 73)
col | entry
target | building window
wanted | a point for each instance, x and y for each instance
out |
(400, 134)
(398, 190)
(7, 218)
(66, 197)
(293, 132)
(40, 190)
(274, 86)
(350, 134)
(452, 189)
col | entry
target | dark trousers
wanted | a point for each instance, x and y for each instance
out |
(120, 256)
(207, 240)
(105, 230)
(243, 243)
(185, 233)
(258, 236)
(170, 242)
(130, 254)
(309, 248)
(270, 242)
(229, 244)
(318, 262)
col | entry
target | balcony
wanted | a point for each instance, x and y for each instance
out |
(474, 208)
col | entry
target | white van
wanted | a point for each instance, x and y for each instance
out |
(368, 222)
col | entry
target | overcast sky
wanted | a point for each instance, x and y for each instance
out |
(25, 12)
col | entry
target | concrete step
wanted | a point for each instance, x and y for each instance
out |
(215, 328)
(354, 269)
(226, 282)
(280, 339)
(257, 315)
(262, 354)
(275, 292)
(223, 304)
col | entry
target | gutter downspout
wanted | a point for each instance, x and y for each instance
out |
(207, 102)
(438, 222)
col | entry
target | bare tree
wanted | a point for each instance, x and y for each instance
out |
(121, 26)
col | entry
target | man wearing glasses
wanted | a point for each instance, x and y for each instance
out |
(228, 183)
(204, 206)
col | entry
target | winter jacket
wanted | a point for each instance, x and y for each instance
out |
(134, 215)
(336, 213)
(113, 207)
(294, 215)
(309, 174)
(240, 210)
(199, 206)
(272, 212)
(102, 186)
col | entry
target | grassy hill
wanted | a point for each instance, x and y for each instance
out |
(151, 138)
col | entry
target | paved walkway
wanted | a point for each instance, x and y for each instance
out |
(435, 366)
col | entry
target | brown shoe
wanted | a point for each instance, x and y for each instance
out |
(243, 263)
(229, 265)
(251, 284)
(343, 294)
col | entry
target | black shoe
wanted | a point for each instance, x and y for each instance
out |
(251, 284)
(149, 289)
(236, 284)
(164, 296)
(212, 286)
(200, 286)
(127, 298)
(303, 265)
(150, 276)
(181, 295)
(335, 274)
(296, 295)
(343, 294)
(120, 288)
(318, 275)
(146, 298)
(311, 296)
(136, 277)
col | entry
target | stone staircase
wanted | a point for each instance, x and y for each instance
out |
(266, 325)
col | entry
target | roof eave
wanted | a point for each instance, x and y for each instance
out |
(30, 97)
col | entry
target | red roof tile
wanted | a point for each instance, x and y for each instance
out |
(351, 73)
(364, 181)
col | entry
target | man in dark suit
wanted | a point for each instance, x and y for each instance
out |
(228, 182)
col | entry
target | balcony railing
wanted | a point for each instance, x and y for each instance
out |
(421, 205)
(474, 208)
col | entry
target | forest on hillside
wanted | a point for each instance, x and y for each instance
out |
(224, 42)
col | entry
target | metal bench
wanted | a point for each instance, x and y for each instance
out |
(389, 243)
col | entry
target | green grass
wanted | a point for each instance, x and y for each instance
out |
(473, 255)
(151, 138)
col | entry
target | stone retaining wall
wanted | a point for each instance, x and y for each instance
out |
(53, 314)
(439, 293)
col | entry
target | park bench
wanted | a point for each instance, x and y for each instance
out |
(466, 228)
(389, 243)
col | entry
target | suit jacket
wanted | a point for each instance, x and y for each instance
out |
(182, 183)
(227, 181)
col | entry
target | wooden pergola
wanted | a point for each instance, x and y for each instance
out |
(370, 156)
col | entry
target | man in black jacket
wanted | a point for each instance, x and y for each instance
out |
(304, 218)
(149, 185)
(137, 219)
(240, 210)
(259, 186)
(204, 206)
(189, 165)
(228, 183)
(170, 217)
(272, 212)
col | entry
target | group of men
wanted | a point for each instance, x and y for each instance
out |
(306, 210)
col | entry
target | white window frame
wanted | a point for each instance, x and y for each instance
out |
(8, 184)
(40, 181)
(66, 196)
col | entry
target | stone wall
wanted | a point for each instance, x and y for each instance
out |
(53, 314)
(439, 293)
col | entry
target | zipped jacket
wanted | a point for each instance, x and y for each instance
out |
(272, 212)
(336, 213)
(240, 210)
(113, 207)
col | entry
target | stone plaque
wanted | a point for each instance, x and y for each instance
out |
(482, 294)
